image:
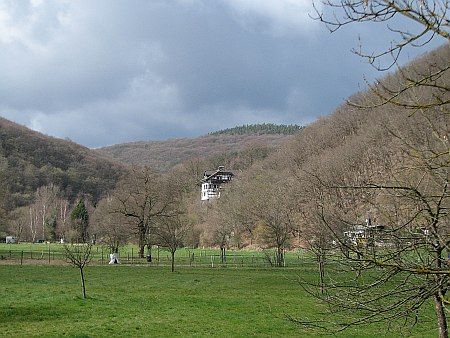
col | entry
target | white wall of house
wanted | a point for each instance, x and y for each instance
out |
(212, 182)
(210, 190)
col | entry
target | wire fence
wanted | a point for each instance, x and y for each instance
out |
(157, 257)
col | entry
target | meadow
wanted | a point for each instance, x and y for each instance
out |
(44, 300)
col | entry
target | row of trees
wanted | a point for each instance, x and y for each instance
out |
(145, 207)
(154, 209)
(254, 212)
(50, 217)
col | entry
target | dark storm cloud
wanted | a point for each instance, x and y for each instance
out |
(103, 72)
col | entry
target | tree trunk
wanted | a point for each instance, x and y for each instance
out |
(149, 248)
(222, 254)
(43, 223)
(115, 248)
(173, 261)
(321, 260)
(251, 236)
(440, 312)
(280, 256)
(141, 243)
(83, 284)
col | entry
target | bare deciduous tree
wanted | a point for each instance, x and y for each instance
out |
(413, 88)
(170, 233)
(79, 255)
(33, 221)
(45, 204)
(63, 217)
(404, 265)
(18, 224)
(274, 212)
(3, 190)
(399, 258)
(143, 197)
(429, 18)
(111, 228)
(220, 225)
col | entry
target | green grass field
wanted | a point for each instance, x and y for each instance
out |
(151, 301)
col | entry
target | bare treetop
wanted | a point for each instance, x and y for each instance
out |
(430, 18)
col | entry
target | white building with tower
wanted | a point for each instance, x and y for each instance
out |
(212, 182)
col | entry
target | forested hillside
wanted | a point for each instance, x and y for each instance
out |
(365, 188)
(364, 141)
(30, 160)
(275, 199)
(263, 128)
(163, 155)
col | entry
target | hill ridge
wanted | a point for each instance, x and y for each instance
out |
(164, 155)
(260, 128)
(33, 159)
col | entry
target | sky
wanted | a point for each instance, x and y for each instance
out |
(108, 72)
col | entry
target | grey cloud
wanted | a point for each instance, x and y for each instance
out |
(105, 72)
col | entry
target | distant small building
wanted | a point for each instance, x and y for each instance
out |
(10, 240)
(212, 182)
(364, 235)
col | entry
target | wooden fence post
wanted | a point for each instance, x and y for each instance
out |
(158, 254)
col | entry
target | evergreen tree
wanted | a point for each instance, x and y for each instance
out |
(50, 228)
(260, 129)
(80, 217)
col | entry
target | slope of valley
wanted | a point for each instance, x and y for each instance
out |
(163, 155)
(368, 141)
(29, 160)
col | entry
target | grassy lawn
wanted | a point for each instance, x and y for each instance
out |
(151, 301)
